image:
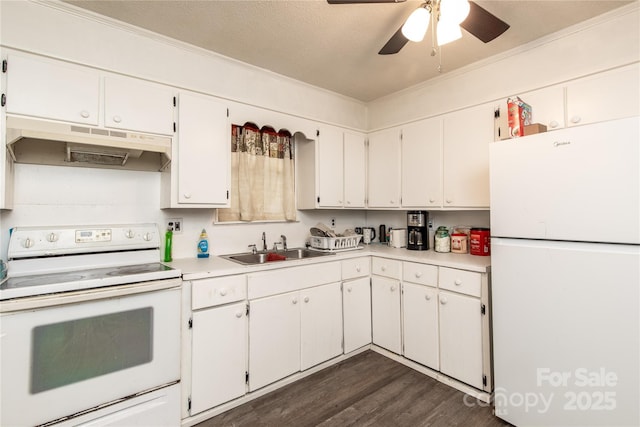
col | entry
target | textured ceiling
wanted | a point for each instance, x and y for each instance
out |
(335, 46)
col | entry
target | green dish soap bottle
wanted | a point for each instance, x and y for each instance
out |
(168, 242)
(203, 245)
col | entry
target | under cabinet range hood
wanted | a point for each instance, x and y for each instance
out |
(44, 142)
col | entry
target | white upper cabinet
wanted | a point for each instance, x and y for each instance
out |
(203, 165)
(330, 167)
(466, 137)
(422, 164)
(605, 96)
(355, 170)
(52, 90)
(331, 170)
(384, 169)
(135, 105)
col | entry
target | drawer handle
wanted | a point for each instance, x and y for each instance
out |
(458, 282)
(306, 299)
(294, 300)
(427, 297)
(239, 314)
(443, 300)
(418, 274)
(223, 292)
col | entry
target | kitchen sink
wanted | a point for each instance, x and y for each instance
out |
(275, 256)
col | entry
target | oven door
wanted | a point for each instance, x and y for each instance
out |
(88, 349)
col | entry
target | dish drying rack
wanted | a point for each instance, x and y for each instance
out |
(336, 244)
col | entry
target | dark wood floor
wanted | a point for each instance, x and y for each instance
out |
(365, 390)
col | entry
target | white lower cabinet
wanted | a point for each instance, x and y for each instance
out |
(420, 320)
(218, 360)
(385, 313)
(461, 338)
(274, 331)
(356, 305)
(218, 341)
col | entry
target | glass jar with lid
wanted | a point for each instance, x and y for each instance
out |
(442, 240)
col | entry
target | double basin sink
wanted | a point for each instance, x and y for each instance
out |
(274, 256)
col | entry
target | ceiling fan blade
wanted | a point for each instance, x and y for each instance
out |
(363, 1)
(395, 43)
(483, 24)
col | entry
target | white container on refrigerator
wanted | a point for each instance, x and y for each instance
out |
(576, 184)
(565, 263)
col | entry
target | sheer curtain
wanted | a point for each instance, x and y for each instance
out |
(262, 175)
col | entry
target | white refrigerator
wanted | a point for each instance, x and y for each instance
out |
(565, 261)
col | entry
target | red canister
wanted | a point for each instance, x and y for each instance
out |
(480, 241)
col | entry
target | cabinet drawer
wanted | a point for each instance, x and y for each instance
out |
(279, 281)
(221, 290)
(422, 274)
(464, 282)
(386, 267)
(356, 267)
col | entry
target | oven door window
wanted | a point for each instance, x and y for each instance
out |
(76, 350)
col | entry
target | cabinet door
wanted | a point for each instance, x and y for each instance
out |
(385, 313)
(330, 167)
(420, 323)
(274, 339)
(461, 338)
(52, 90)
(204, 151)
(466, 138)
(219, 356)
(136, 105)
(355, 170)
(607, 96)
(320, 324)
(384, 169)
(422, 164)
(356, 305)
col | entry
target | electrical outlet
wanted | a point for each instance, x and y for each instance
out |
(333, 222)
(175, 225)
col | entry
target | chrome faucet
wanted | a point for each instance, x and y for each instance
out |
(264, 242)
(253, 249)
(284, 241)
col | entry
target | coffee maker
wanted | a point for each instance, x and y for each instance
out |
(418, 237)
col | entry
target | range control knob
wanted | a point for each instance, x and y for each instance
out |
(147, 237)
(129, 234)
(28, 243)
(52, 237)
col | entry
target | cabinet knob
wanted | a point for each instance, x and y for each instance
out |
(383, 268)
(418, 274)
(358, 269)
(339, 202)
(392, 202)
(223, 292)
(427, 297)
(117, 119)
(306, 299)
(239, 314)
(431, 200)
(187, 195)
(28, 243)
(449, 201)
(348, 202)
(349, 289)
(294, 300)
(443, 300)
(458, 282)
(576, 119)
(392, 288)
(553, 124)
(84, 114)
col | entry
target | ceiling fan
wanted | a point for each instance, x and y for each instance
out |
(479, 22)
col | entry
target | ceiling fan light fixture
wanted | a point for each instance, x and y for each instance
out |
(447, 32)
(454, 10)
(416, 25)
